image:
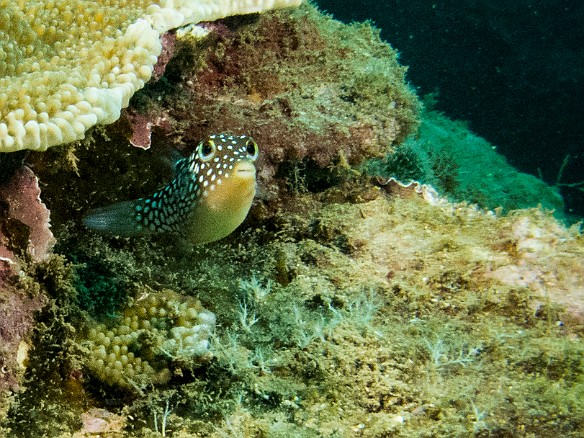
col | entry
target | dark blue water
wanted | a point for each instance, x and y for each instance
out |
(513, 69)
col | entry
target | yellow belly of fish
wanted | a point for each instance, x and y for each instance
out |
(224, 208)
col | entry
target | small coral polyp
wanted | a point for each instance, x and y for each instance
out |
(151, 334)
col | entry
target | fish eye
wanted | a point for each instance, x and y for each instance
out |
(251, 148)
(206, 150)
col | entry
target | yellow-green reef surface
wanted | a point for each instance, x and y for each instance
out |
(346, 304)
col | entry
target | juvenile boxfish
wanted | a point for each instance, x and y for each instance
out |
(208, 198)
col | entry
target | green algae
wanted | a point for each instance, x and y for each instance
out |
(464, 167)
(51, 391)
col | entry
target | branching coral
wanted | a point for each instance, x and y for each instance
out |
(68, 65)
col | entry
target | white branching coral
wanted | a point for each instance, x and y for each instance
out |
(67, 65)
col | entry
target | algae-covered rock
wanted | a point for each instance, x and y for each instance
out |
(343, 307)
(314, 94)
(355, 311)
(465, 167)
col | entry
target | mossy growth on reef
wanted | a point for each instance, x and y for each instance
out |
(349, 312)
(464, 167)
(51, 391)
(340, 310)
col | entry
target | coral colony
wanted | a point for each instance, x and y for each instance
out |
(154, 333)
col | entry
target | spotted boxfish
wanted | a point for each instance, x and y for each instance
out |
(209, 197)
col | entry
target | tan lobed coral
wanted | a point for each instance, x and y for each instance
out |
(155, 330)
(68, 65)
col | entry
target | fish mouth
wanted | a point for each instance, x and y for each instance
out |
(245, 169)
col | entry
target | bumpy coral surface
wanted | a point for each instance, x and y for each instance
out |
(68, 65)
(139, 348)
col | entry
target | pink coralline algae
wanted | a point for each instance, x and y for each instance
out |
(24, 221)
(24, 236)
(17, 309)
(141, 127)
(141, 124)
(168, 41)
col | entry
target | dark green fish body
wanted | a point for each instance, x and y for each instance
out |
(208, 198)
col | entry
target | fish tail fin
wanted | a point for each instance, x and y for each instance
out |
(117, 219)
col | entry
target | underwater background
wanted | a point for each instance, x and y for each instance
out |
(513, 70)
(395, 274)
